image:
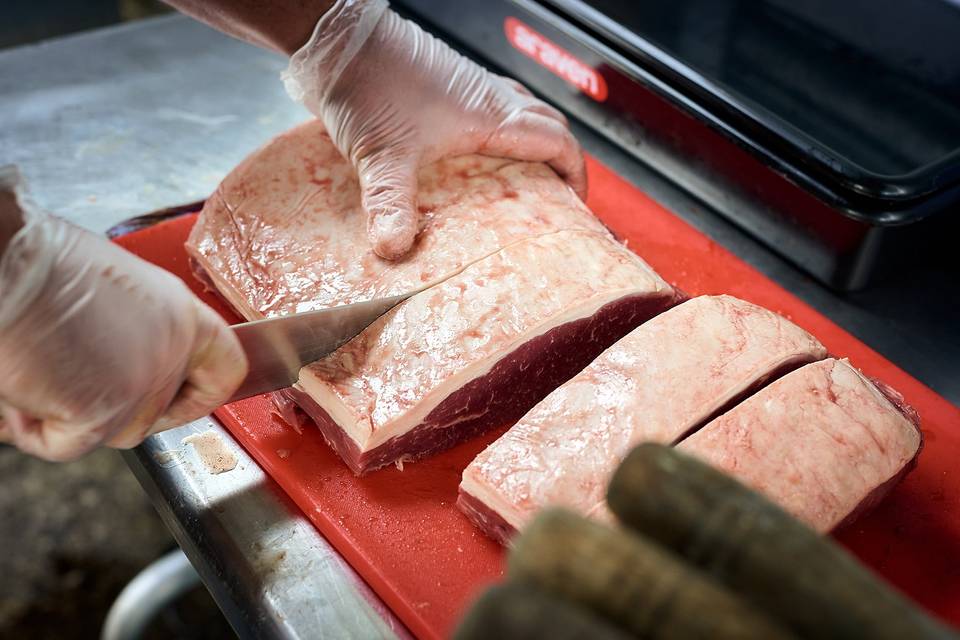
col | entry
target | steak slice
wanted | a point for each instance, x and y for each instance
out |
(823, 442)
(659, 383)
(285, 231)
(478, 350)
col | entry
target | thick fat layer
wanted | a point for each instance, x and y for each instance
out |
(389, 379)
(820, 442)
(285, 231)
(664, 379)
(518, 381)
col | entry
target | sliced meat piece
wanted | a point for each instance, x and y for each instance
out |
(480, 349)
(660, 382)
(285, 231)
(823, 442)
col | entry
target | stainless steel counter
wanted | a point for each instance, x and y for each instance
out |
(270, 571)
(115, 123)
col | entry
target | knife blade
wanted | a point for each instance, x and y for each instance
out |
(277, 348)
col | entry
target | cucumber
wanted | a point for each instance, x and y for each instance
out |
(632, 582)
(741, 539)
(518, 611)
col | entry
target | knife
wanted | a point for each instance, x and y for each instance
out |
(277, 348)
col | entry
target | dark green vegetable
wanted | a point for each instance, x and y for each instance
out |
(519, 611)
(631, 582)
(798, 577)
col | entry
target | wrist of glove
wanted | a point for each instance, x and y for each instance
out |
(97, 346)
(394, 98)
(698, 555)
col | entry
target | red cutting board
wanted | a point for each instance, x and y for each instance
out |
(401, 531)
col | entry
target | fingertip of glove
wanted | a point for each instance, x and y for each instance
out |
(392, 235)
(580, 184)
(573, 166)
(390, 248)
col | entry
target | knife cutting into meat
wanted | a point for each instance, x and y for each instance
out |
(277, 348)
(167, 359)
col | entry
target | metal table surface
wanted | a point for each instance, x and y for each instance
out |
(111, 124)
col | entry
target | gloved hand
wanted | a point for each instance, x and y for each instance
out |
(97, 346)
(394, 98)
(698, 556)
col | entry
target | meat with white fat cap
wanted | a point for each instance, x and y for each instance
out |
(823, 442)
(285, 232)
(479, 349)
(527, 287)
(663, 380)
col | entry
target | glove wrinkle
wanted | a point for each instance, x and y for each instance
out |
(27, 261)
(402, 98)
(335, 41)
(96, 343)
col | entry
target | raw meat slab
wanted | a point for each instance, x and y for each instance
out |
(479, 349)
(284, 232)
(797, 441)
(664, 379)
(404, 535)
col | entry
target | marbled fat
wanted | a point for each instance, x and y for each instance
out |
(285, 232)
(659, 382)
(820, 442)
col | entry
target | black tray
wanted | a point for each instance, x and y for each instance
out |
(825, 198)
(880, 115)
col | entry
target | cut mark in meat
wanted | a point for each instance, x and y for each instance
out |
(518, 381)
(480, 349)
(285, 232)
(659, 383)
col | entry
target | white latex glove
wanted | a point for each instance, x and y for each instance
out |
(98, 347)
(394, 98)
